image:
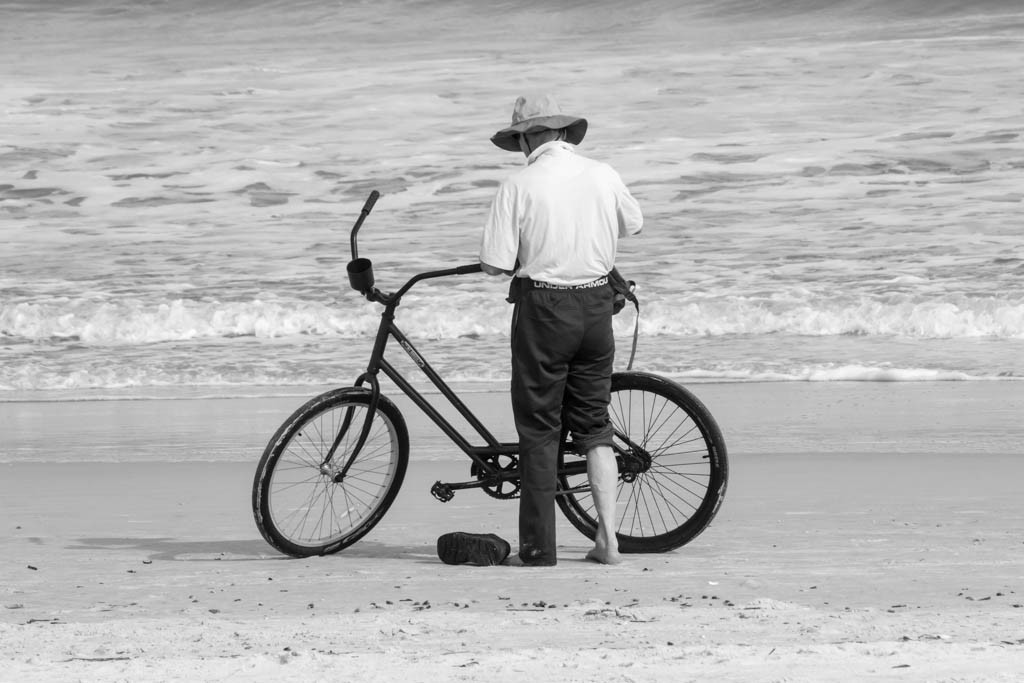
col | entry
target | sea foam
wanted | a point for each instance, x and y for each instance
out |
(132, 321)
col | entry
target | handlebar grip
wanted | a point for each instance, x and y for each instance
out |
(370, 201)
(466, 270)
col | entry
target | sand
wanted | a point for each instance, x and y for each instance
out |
(870, 532)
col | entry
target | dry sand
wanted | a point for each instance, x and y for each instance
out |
(870, 532)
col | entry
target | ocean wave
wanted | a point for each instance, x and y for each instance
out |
(132, 322)
(962, 318)
(838, 373)
(118, 377)
(136, 322)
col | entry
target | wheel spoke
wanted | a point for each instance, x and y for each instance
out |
(674, 468)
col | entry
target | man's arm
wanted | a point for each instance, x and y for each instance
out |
(500, 240)
(494, 270)
(631, 220)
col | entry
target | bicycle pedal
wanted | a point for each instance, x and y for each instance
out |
(443, 492)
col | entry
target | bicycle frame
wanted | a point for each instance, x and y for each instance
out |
(485, 457)
(378, 363)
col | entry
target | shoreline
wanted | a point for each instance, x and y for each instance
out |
(786, 418)
(227, 392)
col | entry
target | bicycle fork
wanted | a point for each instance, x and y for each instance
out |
(346, 423)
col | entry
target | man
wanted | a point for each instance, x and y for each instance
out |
(555, 226)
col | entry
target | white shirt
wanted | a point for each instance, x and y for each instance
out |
(561, 216)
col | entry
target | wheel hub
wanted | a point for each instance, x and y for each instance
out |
(636, 462)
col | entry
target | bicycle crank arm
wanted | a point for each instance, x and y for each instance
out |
(446, 491)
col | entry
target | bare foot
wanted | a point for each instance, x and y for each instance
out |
(604, 556)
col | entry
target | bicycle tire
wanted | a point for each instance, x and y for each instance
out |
(672, 500)
(298, 506)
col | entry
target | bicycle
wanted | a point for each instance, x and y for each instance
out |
(334, 467)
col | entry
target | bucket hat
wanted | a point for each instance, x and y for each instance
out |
(536, 113)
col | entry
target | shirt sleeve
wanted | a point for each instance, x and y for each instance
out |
(631, 220)
(499, 245)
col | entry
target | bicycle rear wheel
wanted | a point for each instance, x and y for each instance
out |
(304, 506)
(673, 467)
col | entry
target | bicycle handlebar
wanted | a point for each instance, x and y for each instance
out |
(360, 270)
(367, 208)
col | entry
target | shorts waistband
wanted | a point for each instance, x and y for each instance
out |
(599, 282)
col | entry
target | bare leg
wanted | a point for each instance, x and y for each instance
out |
(603, 474)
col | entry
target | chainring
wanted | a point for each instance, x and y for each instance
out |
(502, 489)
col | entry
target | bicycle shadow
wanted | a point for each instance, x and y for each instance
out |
(169, 549)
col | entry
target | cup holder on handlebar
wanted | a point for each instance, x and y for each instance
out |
(360, 274)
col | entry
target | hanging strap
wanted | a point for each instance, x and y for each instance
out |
(636, 333)
(623, 293)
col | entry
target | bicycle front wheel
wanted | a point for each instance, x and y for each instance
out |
(305, 504)
(673, 467)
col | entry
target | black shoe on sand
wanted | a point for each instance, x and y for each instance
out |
(482, 550)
